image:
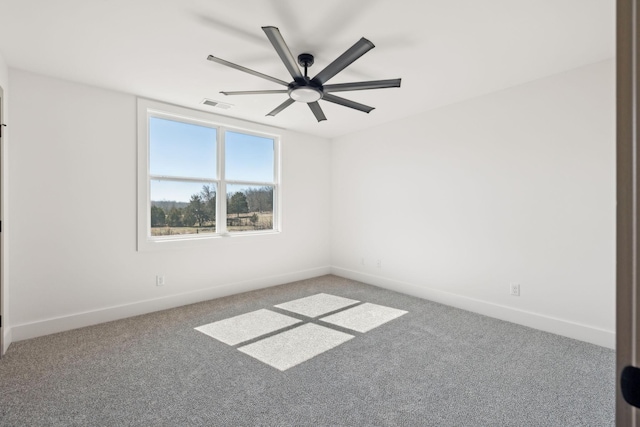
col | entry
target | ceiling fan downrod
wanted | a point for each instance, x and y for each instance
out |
(305, 60)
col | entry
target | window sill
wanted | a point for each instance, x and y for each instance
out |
(191, 241)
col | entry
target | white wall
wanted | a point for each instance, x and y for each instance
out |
(4, 75)
(73, 258)
(457, 203)
(514, 187)
(4, 83)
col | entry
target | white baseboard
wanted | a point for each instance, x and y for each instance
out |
(534, 320)
(6, 340)
(79, 320)
(554, 325)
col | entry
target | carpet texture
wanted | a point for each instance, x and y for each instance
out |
(433, 366)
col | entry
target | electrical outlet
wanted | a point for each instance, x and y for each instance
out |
(362, 261)
(159, 280)
(515, 289)
(379, 263)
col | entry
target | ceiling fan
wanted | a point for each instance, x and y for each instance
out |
(311, 90)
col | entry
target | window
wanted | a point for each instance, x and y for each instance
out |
(199, 179)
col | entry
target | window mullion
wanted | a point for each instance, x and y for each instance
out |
(180, 179)
(221, 215)
(257, 183)
(276, 186)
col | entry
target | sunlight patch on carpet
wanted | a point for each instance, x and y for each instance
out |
(245, 327)
(317, 305)
(286, 349)
(292, 347)
(364, 318)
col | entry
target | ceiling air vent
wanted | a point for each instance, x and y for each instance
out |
(217, 104)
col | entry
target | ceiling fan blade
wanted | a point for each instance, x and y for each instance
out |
(246, 70)
(281, 47)
(281, 107)
(343, 61)
(374, 84)
(317, 111)
(347, 103)
(253, 92)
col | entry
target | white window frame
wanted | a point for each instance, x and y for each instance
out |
(147, 109)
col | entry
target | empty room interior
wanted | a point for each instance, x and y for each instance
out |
(431, 240)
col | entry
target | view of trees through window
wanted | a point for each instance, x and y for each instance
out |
(247, 209)
(185, 179)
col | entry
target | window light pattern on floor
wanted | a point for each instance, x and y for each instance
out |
(296, 343)
(239, 329)
(365, 317)
(292, 347)
(317, 305)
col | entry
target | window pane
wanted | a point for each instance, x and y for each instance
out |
(249, 207)
(181, 149)
(182, 207)
(248, 157)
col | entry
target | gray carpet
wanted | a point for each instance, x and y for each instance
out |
(434, 366)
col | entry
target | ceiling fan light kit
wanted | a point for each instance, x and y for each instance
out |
(310, 90)
(305, 94)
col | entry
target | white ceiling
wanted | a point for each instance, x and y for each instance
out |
(445, 51)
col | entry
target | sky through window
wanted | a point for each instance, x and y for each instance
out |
(178, 149)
